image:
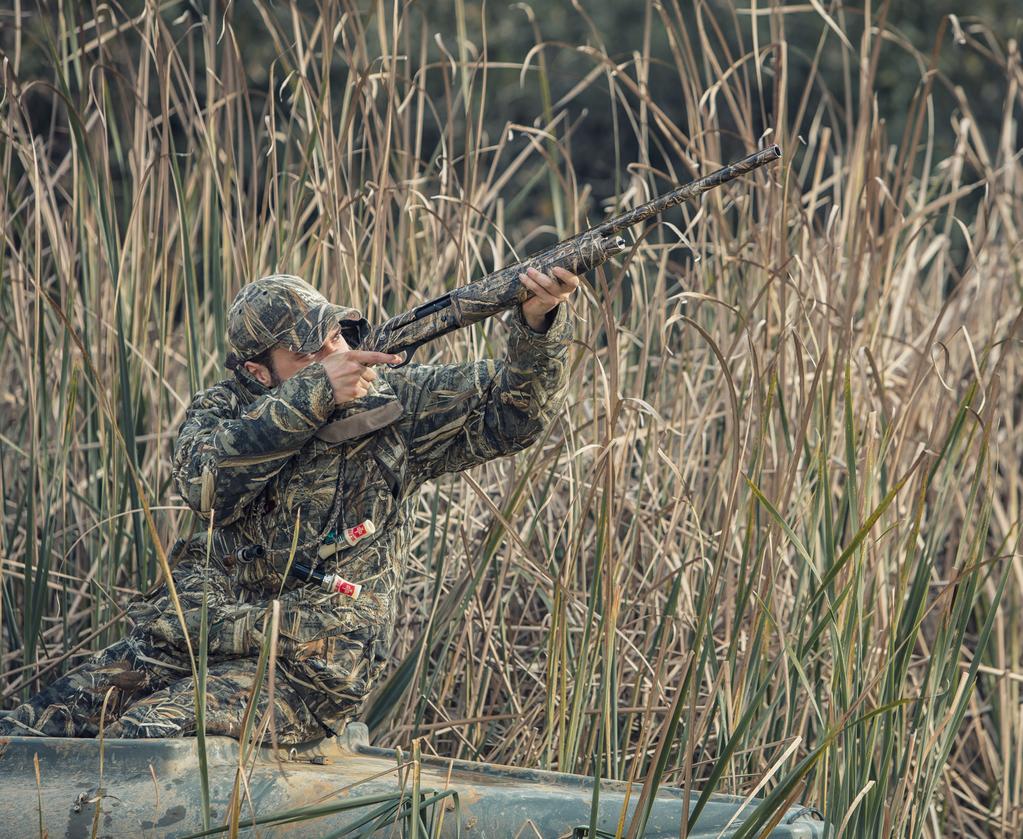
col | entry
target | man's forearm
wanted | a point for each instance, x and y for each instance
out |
(223, 458)
(535, 374)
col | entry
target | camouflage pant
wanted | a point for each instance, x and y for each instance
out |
(318, 684)
(154, 696)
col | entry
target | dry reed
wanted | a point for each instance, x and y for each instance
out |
(772, 543)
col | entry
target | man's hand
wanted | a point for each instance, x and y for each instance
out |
(547, 293)
(350, 372)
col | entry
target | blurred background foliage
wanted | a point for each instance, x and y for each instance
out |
(569, 30)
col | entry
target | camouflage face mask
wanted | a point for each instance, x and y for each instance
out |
(284, 309)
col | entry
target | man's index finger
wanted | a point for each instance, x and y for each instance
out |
(369, 357)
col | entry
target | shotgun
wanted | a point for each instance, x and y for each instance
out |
(501, 290)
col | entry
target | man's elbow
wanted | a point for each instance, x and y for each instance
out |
(527, 414)
(200, 493)
(518, 432)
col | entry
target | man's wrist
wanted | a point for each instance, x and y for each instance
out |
(539, 324)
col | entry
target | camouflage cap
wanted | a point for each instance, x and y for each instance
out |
(285, 309)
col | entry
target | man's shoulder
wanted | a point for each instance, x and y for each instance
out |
(226, 395)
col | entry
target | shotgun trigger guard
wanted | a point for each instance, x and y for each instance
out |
(409, 351)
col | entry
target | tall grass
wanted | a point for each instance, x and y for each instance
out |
(772, 544)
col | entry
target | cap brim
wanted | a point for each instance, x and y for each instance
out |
(314, 329)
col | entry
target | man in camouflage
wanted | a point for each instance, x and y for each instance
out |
(305, 442)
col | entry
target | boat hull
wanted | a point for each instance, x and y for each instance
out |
(152, 788)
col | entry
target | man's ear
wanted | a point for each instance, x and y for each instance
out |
(259, 372)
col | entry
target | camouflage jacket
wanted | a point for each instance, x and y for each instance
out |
(267, 464)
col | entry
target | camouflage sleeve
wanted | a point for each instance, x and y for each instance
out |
(464, 414)
(226, 452)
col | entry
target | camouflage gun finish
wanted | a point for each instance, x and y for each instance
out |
(502, 289)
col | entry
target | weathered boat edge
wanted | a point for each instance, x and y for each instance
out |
(151, 788)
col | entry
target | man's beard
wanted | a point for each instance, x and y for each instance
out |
(274, 378)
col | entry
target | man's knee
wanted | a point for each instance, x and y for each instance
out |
(146, 720)
(53, 721)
